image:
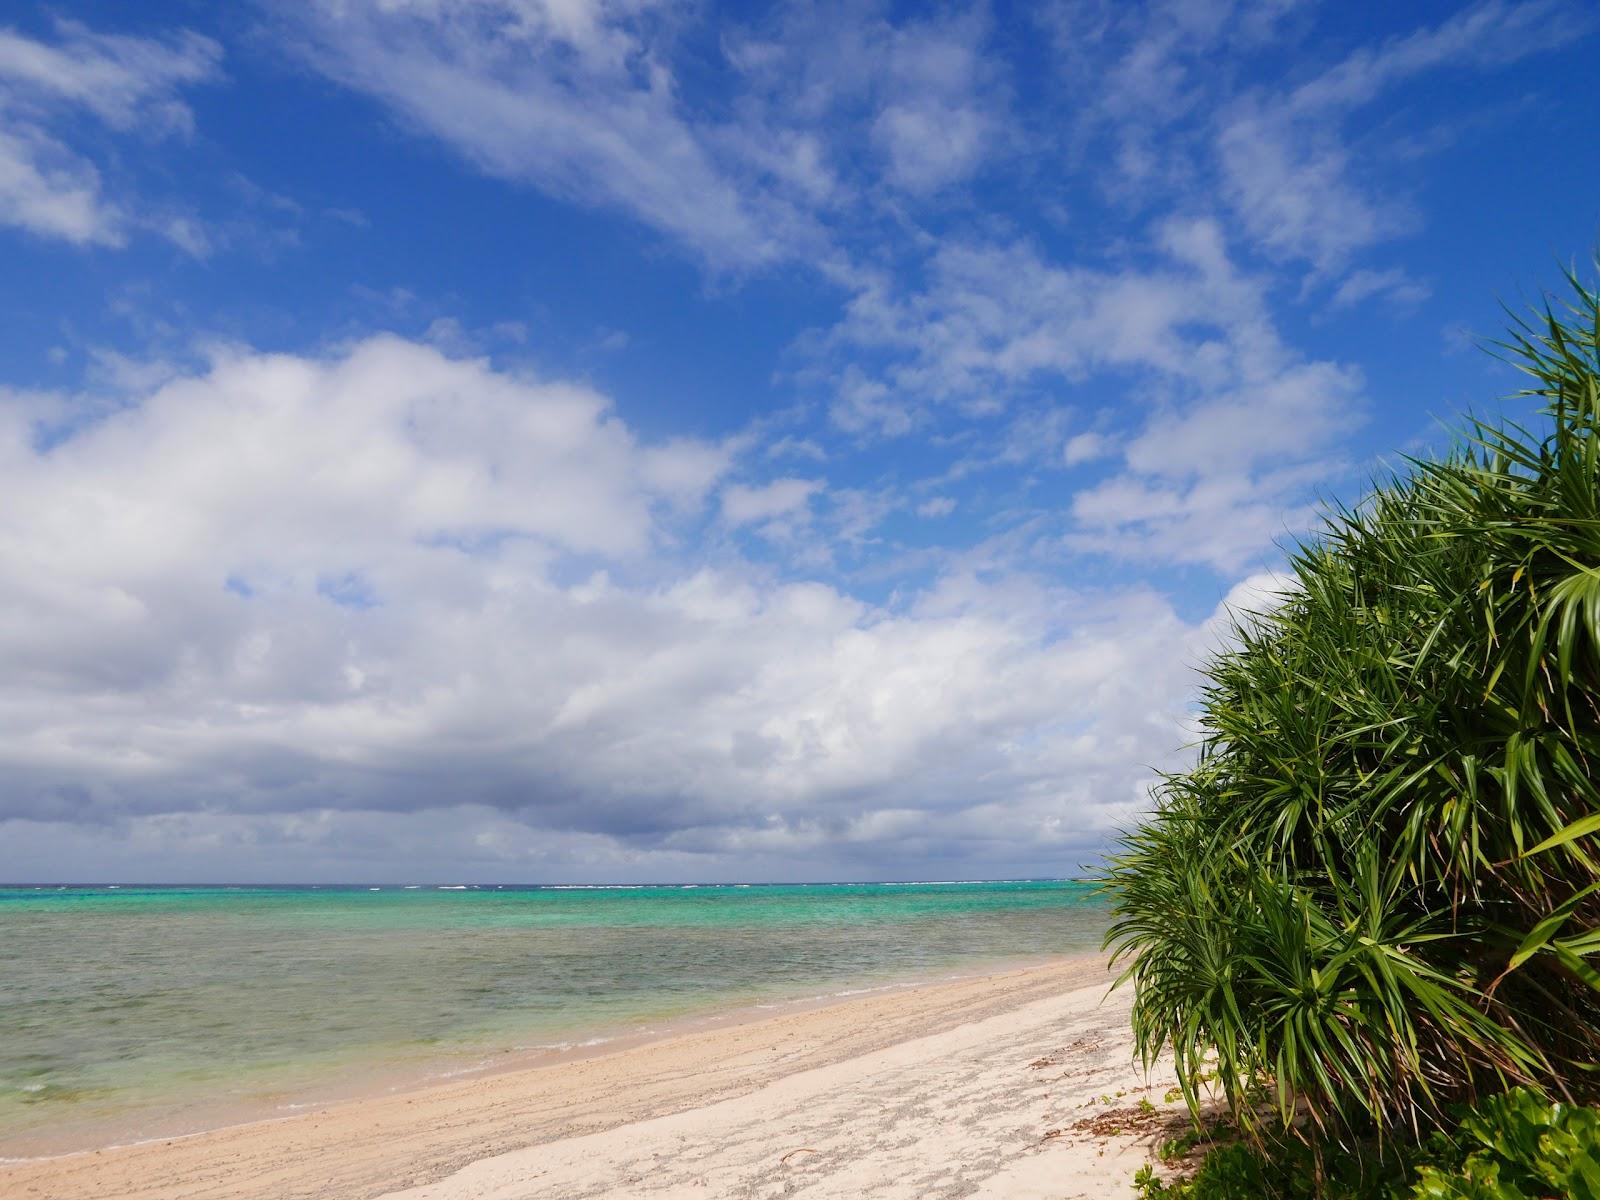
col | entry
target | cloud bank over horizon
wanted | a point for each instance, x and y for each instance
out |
(631, 441)
(393, 582)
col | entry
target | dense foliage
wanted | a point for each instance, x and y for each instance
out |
(1514, 1146)
(1378, 891)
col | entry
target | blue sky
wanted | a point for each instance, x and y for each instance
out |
(544, 440)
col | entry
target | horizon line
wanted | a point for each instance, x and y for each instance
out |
(58, 883)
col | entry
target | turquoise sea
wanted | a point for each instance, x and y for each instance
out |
(145, 1011)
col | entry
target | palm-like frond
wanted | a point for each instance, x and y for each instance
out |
(1379, 888)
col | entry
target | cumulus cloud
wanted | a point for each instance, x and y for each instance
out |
(128, 84)
(268, 600)
(327, 613)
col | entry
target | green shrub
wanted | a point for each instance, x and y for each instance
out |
(1513, 1146)
(1377, 893)
(1233, 1172)
(1517, 1147)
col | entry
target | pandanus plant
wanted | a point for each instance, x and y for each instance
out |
(1377, 892)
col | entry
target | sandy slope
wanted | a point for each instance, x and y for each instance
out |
(952, 1089)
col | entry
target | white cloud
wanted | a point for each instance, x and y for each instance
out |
(684, 469)
(745, 505)
(1292, 188)
(1288, 169)
(1483, 36)
(1085, 447)
(1225, 424)
(50, 192)
(578, 100)
(126, 82)
(130, 84)
(263, 604)
(1144, 78)
(921, 101)
(1225, 523)
(861, 404)
(1255, 595)
(790, 446)
(1174, 99)
(1279, 411)
(991, 318)
(393, 601)
(189, 235)
(930, 145)
(1394, 286)
(818, 120)
(935, 125)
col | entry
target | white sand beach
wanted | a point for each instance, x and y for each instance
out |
(1016, 1084)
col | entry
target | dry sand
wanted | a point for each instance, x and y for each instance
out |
(1018, 1084)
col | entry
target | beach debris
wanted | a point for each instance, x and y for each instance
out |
(798, 1150)
(1040, 1064)
(1142, 1118)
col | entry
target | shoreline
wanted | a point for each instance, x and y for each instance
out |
(434, 1141)
(362, 1082)
(244, 1004)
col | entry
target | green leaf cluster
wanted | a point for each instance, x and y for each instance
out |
(1377, 893)
(1517, 1147)
(1514, 1146)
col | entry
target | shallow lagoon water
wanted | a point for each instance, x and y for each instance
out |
(142, 1011)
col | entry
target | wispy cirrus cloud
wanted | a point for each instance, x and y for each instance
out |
(1171, 100)
(50, 187)
(805, 121)
(1287, 165)
(803, 131)
(580, 101)
(1481, 37)
(909, 107)
(1219, 423)
(992, 318)
(1395, 286)
(744, 505)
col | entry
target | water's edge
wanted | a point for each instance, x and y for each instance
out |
(354, 1090)
(128, 1014)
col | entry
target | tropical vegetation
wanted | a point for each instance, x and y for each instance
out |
(1374, 900)
(1513, 1146)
